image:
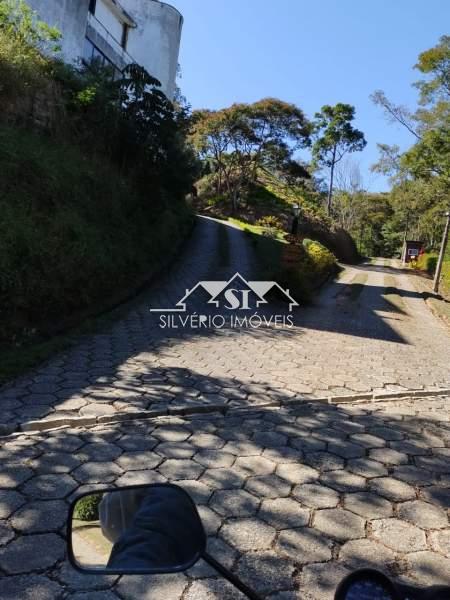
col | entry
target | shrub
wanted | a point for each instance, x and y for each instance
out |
(270, 221)
(427, 262)
(86, 509)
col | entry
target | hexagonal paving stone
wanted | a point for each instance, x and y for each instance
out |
(414, 475)
(343, 481)
(96, 409)
(367, 440)
(180, 469)
(304, 545)
(30, 587)
(77, 581)
(423, 514)
(140, 478)
(99, 452)
(284, 513)
(324, 461)
(52, 462)
(37, 517)
(278, 572)
(254, 465)
(248, 534)
(346, 449)
(9, 502)
(436, 494)
(321, 580)
(398, 535)
(365, 553)
(440, 541)
(210, 519)
(207, 589)
(161, 587)
(436, 464)
(339, 524)
(283, 454)
(224, 479)
(207, 441)
(268, 486)
(139, 460)
(429, 568)
(214, 459)
(135, 443)
(97, 472)
(307, 443)
(234, 503)
(297, 473)
(368, 505)
(20, 556)
(176, 449)
(12, 476)
(61, 443)
(243, 448)
(198, 491)
(269, 439)
(171, 433)
(50, 487)
(6, 533)
(366, 467)
(316, 496)
(387, 433)
(388, 456)
(106, 595)
(392, 489)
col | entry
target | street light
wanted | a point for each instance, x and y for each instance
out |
(437, 275)
(296, 213)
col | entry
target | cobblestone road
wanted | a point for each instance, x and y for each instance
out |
(293, 496)
(370, 331)
(292, 499)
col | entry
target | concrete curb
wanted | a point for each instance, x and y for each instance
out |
(224, 409)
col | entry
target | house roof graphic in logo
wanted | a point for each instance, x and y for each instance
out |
(216, 290)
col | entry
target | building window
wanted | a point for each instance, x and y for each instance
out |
(92, 4)
(124, 40)
(92, 56)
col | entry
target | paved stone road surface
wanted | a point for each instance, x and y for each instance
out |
(292, 499)
(368, 331)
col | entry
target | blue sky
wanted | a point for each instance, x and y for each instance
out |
(310, 52)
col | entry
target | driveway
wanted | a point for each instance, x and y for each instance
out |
(294, 491)
(369, 332)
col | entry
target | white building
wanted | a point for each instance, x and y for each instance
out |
(118, 32)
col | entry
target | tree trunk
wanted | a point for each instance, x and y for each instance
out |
(330, 189)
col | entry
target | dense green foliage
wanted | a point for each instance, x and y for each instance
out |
(236, 142)
(94, 176)
(86, 509)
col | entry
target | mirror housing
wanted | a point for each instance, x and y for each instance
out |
(141, 529)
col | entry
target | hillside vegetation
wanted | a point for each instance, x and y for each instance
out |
(94, 176)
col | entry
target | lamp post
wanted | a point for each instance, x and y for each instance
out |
(437, 275)
(296, 213)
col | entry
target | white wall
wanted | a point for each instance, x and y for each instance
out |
(106, 17)
(155, 43)
(70, 17)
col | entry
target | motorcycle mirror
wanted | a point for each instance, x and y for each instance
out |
(367, 583)
(142, 529)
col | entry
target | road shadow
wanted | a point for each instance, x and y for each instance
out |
(320, 490)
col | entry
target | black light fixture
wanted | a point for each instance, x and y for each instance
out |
(296, 213)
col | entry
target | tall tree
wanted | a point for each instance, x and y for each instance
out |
(244, 137)
(335, 137)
